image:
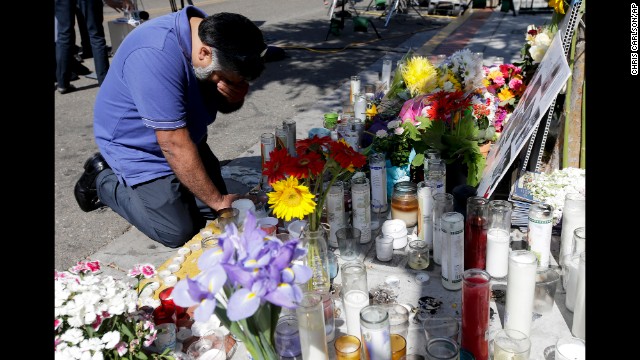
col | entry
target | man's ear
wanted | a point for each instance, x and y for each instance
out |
(204, 52)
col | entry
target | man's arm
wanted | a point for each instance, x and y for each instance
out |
(183, 157)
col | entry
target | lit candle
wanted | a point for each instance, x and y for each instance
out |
(354, 301)
(313, 339)
(521, 286)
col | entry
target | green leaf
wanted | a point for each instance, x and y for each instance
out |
(418, 159)
(125, 330)
(141, 355)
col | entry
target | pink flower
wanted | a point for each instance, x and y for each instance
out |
(97, 322)
(56, 341)
(80, 267)
(515, 84)
(398, 130)
(121, 347)
(93, 266)
(57, 323)
(147, 270)
(498, 81)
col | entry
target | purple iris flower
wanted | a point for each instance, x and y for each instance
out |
(253, 267)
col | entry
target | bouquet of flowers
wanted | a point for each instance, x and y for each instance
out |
(245, 280)
(97, 317)
(504, 82)
(298, 182)
(462, 71)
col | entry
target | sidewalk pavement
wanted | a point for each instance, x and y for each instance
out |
(485, 30)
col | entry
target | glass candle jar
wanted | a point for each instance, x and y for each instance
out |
(521, 286)
(335, 211)
(375, 329)
(579, 312)
(438, 173)
(539, 232)
(418, 254)
(313, 338)
(404, 203)
(287, 337)
(452, 250)
(476, 292)
(573, 217)
(378, 177)
(361, 207)
(498, 238)
(426, 189)
(442, 203)
(355, 294)
(475, 233)
(442, 349)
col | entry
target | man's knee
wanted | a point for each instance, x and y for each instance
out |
(175, 239)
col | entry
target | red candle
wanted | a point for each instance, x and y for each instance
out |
(475, 243)
(475, 312)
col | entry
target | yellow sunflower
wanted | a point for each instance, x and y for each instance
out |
(289, 199)
(419, 75)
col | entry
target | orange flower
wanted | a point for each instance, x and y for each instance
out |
(277, 166)
(345, 156)
(306, 165)
(505, 94)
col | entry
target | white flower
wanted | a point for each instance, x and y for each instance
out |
(393, 124)
(111, 339)
(91, 344)
(73, 336)
(155, 303)
(448, 86)
(552, 188)
(539, 47)
(399, 130)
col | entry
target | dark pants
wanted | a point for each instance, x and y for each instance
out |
(163, 209)
(93, 14)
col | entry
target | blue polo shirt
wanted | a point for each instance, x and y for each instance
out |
(151, 85)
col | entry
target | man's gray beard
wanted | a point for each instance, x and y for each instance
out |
(204, 73)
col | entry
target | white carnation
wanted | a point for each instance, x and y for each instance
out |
(73, 336)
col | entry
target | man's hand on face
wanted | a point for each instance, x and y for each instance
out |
(234, 92)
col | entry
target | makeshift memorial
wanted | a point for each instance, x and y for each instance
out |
(246, 280)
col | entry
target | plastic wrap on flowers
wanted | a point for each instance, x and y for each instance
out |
(396, 174)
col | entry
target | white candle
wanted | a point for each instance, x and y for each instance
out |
(361, 206)
(571, 286)
(573, 216)
(386, 72)
(521, 286)
(384, 247)
(313, 338)
(335, 212)
(174, 267)
(570, 352)
(497, 252)
(354, 301)
(177, 260)
(425, 217)
(579, 314)
(397, 229)
(184, 251)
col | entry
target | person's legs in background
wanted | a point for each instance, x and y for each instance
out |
(85, 43)
(66, 39)
(93, 14)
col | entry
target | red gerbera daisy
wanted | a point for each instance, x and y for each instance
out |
(305, 165)
(277, 166)
(344, 155)
(314, 144)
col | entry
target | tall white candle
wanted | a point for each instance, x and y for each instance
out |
(579, 313)
(313, 338)
(361, 207)
(335, 212)
(386, 73)
(573, 216)
(521, 286)
(425, 211)
(354, 301)
(571, 274)
(497, 252)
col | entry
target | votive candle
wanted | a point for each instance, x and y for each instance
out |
(570, 349)
(375, 328)
(521, 286)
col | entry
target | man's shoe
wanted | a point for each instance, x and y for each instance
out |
(85, 190)
(66, 90)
